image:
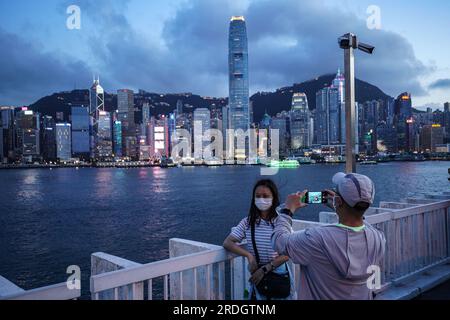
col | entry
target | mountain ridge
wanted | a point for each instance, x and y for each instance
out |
(273, 102)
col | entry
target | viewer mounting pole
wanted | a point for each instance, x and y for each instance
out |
(350, 152)
(349, 43)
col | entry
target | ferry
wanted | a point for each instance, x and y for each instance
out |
(368, 162)
(334, 159)
(284, 164)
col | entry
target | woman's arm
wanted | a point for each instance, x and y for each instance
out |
(231, 245)
(278, 261)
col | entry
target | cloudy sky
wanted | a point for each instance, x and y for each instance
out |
(181, 45)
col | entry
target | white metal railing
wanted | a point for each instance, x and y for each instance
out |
(147, 273)
(58, 291)
(417, 238)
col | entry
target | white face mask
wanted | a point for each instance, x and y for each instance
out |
(263, 204)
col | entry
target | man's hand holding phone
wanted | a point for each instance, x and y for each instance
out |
(295, 201)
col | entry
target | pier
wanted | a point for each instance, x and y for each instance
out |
(417, 260)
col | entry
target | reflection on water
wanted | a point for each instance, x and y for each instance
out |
(51, 219)
(30, 178)
(103, 180)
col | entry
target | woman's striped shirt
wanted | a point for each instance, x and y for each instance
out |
(263, 234)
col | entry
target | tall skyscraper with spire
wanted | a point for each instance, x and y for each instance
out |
(339, 84)
(97, 98)
(239, 114)
(101, 135)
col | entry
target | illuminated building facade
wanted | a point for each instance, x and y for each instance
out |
(63, 141)
(300, 122)
(239, 113)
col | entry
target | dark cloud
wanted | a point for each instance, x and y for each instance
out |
(289, 41)
(440, 84)
(26, 73)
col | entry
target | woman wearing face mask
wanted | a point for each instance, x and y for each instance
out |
(271, 277)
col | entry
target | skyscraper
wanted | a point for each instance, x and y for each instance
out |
(225, 125)
(159, 137)
(125, 107)
(80, 132)
(48, 132)
(239, 113)
(97, 98)
(339, 84)
(63, 141)
(104, 137)
(447, 121)
(404, 122)
(202, 118)
(28, 135)
(300, 121)
(179, 110)
(117, 138)
(96, 104)
(326, 124)
(279, 123)
(8, 128)
(430, 137)
(145, 119)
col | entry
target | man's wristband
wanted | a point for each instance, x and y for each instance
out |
(287, 211)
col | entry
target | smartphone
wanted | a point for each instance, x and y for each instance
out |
(315, 197)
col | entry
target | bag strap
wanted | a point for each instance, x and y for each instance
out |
(254, 243)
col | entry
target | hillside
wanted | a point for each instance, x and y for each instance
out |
(272, 102)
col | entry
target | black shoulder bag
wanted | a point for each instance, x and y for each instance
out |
(273, 285)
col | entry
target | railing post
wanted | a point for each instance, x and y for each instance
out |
(101, 263)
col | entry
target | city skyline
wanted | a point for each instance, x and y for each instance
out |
(178, 32)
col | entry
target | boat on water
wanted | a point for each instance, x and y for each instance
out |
(334, 159)
(368, 162)
(167, 163)
(283, 164)
(305, 160)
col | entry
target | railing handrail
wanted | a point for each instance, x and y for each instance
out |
(156, 269)
(406, 212)
(58, 291)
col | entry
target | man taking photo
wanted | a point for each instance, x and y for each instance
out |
(335, 260)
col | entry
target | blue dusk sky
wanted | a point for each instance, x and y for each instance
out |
(181, 45)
